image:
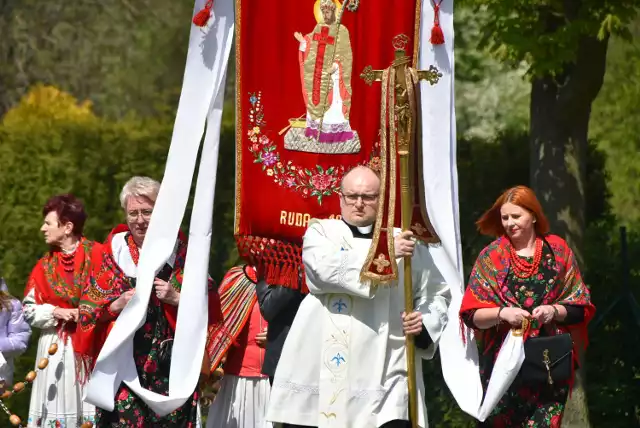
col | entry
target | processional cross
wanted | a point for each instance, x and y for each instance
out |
(402, 83)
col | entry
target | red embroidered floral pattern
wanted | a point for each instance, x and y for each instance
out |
(319, 183)
(57, 281)
(133, 249)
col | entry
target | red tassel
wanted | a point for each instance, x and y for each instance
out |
(437, 36)
(203, 16)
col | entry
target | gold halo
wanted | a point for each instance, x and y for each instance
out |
(318, 14)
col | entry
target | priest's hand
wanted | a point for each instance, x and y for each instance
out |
(404, 244)
(412, 323)
(261, 338)
(298, 36)
(118, 305)
(166, 293)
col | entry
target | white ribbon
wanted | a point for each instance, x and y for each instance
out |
(505, 370)
(201, 100)
(459, 359)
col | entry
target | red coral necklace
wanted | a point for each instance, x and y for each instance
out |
(521, 267)
(133, 249)
(68, 259)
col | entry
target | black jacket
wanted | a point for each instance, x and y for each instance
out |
(278, 306)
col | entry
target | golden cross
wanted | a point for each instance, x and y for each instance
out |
(402, 109)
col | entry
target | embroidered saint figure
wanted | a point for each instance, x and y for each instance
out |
(325, 61)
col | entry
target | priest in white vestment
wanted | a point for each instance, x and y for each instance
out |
(344, 362)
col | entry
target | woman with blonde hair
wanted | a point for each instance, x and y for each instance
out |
(527, 278)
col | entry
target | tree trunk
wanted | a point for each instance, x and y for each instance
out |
(560, 111)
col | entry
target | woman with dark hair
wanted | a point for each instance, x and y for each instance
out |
(527, 280)
(51, 304)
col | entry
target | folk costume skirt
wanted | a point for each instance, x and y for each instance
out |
(240, 403)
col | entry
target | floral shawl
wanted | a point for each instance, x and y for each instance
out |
(52, 285)
(487, 288)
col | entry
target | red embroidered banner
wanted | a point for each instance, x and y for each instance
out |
(304, 115)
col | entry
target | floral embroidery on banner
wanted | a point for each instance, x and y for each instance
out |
(319, 183)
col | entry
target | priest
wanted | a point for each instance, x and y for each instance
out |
(344, 361)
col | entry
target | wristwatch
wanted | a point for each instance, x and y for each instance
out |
(555, 312)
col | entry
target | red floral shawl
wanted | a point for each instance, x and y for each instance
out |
(52, 285)
(96, 320)
(487, 288)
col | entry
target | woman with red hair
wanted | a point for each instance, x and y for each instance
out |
(51, 304)
(527, 279)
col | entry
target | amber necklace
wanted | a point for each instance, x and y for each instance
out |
(520, 266)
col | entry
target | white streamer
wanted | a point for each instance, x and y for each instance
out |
(201, 101)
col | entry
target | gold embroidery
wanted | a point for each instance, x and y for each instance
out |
(239, 115)
(381, 263)
(326, 62)
(418, 229)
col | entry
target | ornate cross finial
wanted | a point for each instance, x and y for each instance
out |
(432, 75)
(400, 42)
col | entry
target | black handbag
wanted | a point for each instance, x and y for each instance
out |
(547, 359)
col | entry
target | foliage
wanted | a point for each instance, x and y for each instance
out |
(124, 56)
(547, 33)
(616, 125)
(613, 367)
(491, 98)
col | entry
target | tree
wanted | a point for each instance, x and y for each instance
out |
(124, 56)
(564, 43)
(491, 97)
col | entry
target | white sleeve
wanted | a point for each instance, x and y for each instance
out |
(303, 46)
(432, 297)
(38, 316)
(330, 268)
